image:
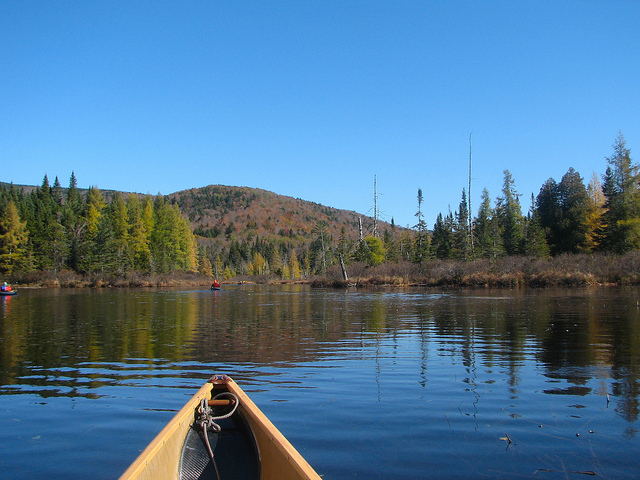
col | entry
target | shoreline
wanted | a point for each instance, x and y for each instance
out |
(574, 270)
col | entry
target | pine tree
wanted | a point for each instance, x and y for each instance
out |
(442, 237)
(118, 216)
(595, 212)
(621, 231)
(461, 233)
(390, 244)
(535, 240)
(164, 238)
(573, 200)
(548, 212)
(344, 245)
(56, 192)
(510, 218)
(488, 243)
(73, 223)
(47, 234)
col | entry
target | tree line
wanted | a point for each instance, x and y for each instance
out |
(565, 217)
(52, 228)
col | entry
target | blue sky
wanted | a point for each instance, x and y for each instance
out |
(314, 99)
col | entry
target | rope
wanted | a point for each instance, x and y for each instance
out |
(207, 421)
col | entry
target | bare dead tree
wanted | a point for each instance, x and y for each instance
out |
(469, 199)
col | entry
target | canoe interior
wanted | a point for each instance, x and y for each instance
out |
(249, 445)
(235, 452)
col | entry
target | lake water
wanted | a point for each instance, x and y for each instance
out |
(386, 384)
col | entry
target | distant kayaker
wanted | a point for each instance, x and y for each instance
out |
(5, 287)
(215, 284)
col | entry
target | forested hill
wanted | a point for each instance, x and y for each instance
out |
(222, 213)
(217, 230)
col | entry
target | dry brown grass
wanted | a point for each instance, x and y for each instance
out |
(564, 270)
(70, 279)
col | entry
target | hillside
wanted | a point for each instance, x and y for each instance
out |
(218, 212)
(239, 230)
(251, 212)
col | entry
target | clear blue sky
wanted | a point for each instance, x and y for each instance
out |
(312, 99)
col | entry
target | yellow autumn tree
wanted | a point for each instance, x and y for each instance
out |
(13, 240)
(258, 265)
(294, 266)
(205, 263)
(595, 214)
(218, 266)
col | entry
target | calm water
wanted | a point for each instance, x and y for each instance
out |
(418, 384)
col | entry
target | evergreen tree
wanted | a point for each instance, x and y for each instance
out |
(139, 234)
(389, 244)
(74, 224)
(461, 233)
(488, 243)
(165, 241)
(118, 216)
(535, 240)
(90, 248)
(442, 236)
(235, 256)
(510, 218)
(47, 234)
(548, 212)
(621, 230)
(371, 251)
(343, 243)
(573, 199)
(56, 192)
(103, 246)
(595, 212)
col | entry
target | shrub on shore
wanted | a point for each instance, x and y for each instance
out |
(70, 279)
(564, 270)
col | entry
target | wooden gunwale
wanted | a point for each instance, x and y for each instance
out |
(278, 458)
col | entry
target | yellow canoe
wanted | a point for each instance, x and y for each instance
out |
(242, 442)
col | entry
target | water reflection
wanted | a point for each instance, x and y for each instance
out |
(48, 338)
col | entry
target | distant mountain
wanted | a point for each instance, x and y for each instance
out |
(220, 212)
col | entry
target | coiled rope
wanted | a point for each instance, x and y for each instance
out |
(207, 420)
